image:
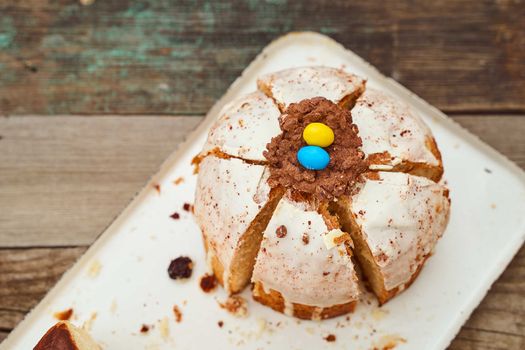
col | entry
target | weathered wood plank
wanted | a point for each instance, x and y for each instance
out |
(26, 275)
(498, 323)
(158, 57)
(62, 180)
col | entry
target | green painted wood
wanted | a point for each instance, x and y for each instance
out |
(165, 57)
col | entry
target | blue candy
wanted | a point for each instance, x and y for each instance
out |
(313, 157)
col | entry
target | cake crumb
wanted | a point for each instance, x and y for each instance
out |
(306, 238)
(235, 305)
(175, 216)
(389, 342)
(144, 329)
(157, 188)
(177, 313)
(113, 306)
(89, 322)
(63, 315)
(220, 324)
(186, 207)
(281, 231)
(164, 328)
(180, 268)
(335, 237)
(178, 180)
(261, 327)
(330, 338)
(94, 269)
(208, 283)
(378, 314)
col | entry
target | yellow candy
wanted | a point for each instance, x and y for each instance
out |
(318, 134)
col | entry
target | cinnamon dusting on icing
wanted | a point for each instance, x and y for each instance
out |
(346, 159)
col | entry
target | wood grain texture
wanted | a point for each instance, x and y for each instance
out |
(160, 57)
(26, 275)
(63, 180)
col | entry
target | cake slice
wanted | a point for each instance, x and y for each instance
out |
(297, 84)
(65, 336)
(304, 268)
(395, 220)
(233, 204)
(394, 137)
(244, 127)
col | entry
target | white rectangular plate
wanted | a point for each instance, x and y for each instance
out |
(131, 288)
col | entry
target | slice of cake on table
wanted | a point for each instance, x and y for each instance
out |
(244, 127)
(304, 267)
(297, 84)
(233, 204)
(394, 136)
(395, 220)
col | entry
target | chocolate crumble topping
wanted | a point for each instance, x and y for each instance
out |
(347, 161)
(180, 268)
(281, 231)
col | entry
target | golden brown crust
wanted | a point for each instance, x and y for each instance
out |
(275, 300)
(386, 295)
(432, 172)
(57, 337)
(348, 102)
(65, 336)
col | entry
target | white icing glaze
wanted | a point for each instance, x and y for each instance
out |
(401, 217)
(245, 126)
(310, 273)
(296, 84)
(229, 195)
(386, 124)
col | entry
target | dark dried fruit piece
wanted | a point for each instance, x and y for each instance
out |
(181, 267)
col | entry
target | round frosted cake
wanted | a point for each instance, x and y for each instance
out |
(314, 185)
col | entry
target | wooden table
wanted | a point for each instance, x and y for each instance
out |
(93, 97)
